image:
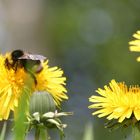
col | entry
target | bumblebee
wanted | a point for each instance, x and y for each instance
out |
(30, 62)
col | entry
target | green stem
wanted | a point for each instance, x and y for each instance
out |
(135, 133)
(44, 134)
(3, 132)
(41, 133)
(37, 133)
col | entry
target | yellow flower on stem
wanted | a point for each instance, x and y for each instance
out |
(51, 80)
(117, 101)
(135, 44)
(12, 83)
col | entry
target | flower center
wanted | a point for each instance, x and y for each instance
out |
(16, 78)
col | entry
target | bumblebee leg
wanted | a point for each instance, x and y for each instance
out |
(34, 78)
(7, 64)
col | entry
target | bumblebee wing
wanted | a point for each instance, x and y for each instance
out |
(32, 57)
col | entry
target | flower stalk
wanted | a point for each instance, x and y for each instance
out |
(41, 133)
(37, 133)
(135, 133)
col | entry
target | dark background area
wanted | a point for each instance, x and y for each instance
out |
(87, 39)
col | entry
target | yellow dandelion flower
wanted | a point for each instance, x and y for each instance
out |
(135, 44)
(12, 83)
(51, 80)
(117, 101)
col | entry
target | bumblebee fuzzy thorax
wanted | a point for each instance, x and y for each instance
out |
(12, 60)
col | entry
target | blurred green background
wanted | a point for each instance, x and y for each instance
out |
(87, 39)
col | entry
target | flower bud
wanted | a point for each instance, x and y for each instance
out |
(42, 102)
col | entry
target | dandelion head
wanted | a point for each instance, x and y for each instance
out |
(117, 101)
(135, 44)
(52, 81)
(11, 84)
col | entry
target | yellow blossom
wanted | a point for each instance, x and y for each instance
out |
(51, 80)
(12, 83)
(117, 101)
(135, 44)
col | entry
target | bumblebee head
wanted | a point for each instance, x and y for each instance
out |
(16, 54)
